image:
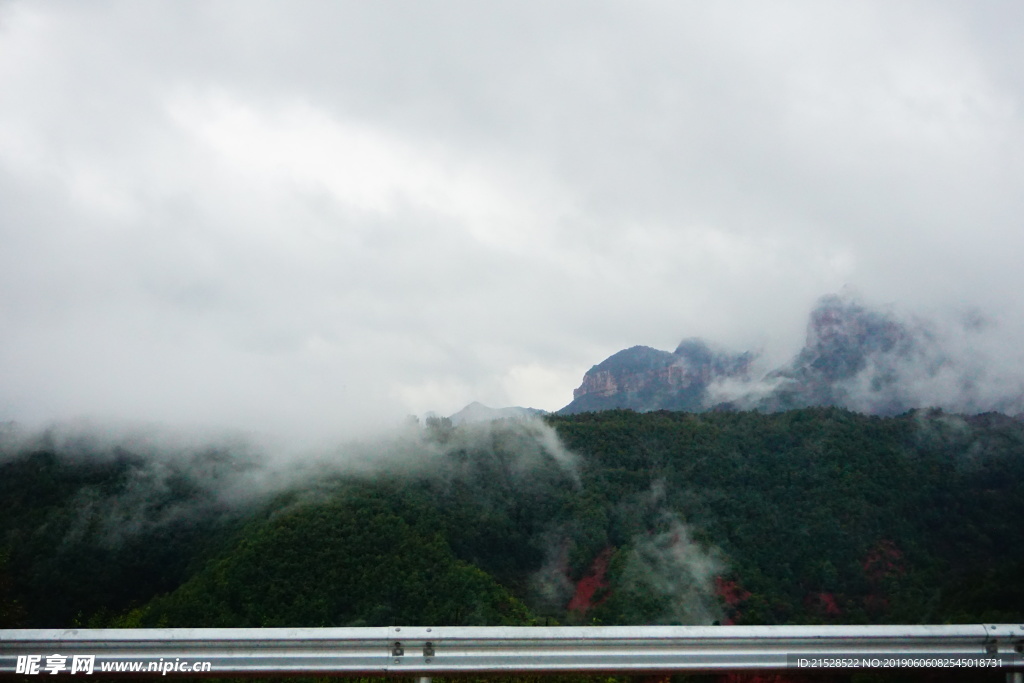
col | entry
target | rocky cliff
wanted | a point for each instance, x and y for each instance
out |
(866, 360)
(643, 378)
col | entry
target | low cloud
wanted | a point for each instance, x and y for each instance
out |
(156, 477)
(670, 569)
(880, 361)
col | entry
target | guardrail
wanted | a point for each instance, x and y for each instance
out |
(429, 651)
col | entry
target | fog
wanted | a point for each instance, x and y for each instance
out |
(133, 484)
(884, 361)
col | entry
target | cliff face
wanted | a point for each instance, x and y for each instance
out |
(853, 357)
(842, 336)
(626, 371)
(642, 378)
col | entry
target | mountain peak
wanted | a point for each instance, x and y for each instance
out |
(643, 378)
(478, 412)
(855, 357)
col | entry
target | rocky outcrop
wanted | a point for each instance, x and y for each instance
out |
(854, 357)
(642, 378)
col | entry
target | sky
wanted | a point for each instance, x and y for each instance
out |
(314, 217)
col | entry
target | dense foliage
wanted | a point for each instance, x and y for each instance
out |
(808, 516)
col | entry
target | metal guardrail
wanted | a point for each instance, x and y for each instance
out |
(428, 651)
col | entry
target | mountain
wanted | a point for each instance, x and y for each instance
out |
(478, 412)
(866, 360)
(856, 358)
(645, 379)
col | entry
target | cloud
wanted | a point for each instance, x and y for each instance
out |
(157, 478)
(669, 568)
(314, 217)
(886, 361)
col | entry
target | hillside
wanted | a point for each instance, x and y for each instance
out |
(806, 516)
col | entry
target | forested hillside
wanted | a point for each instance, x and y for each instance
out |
(808, 516)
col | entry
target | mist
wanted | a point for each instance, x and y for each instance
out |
(135, 486)
(670, 569)
(880, 360)
(175, 475)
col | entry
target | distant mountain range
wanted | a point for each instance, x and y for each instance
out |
(866, 360)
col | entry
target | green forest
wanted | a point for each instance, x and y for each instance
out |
(803, 517)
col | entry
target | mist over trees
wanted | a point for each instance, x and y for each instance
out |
(817, 515)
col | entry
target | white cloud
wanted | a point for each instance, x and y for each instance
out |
(248, 213)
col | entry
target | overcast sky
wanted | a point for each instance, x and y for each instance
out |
(310, 216)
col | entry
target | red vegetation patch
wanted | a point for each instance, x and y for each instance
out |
(823, 603)
(583, 598)
(882, 561)
(730, 591)
(733, 595)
